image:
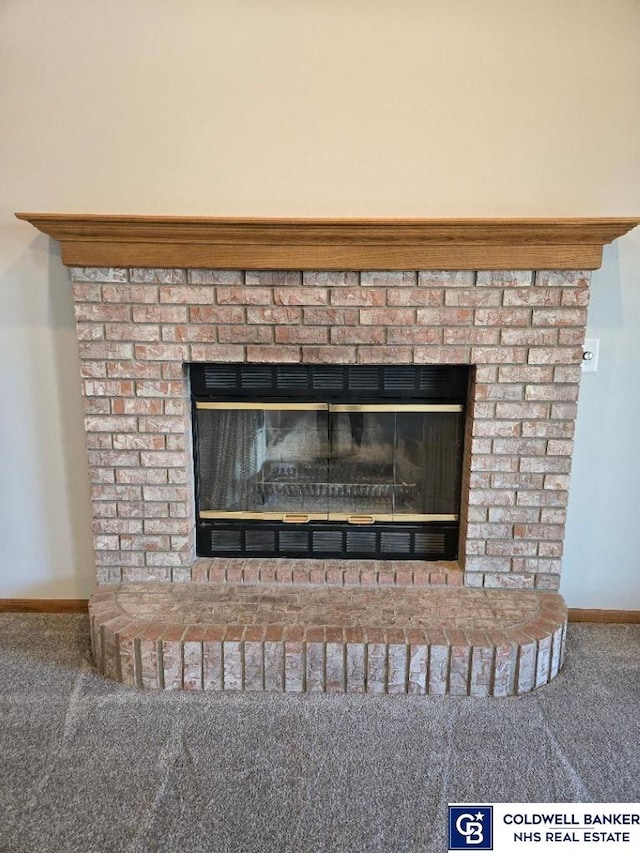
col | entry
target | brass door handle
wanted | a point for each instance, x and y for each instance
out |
(295, 518)
(361, 519)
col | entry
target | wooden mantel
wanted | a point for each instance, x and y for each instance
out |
(329, 244)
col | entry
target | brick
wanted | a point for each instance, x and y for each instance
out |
(496, 428)
(578, 297)
(538, 531)
(471, 335)
(159, 314)
(279, 315)
(488, 462)
(90, 332)
(441, 355)
(555, 355)
(87, 292)
(93, 274)
(219, 352)
(162, 352)
(151, 388)
(562, 278)
(504, 278)
(493, 391)
(107, 388)
(226, 277)
(560, 317)
(328, 316)
(443, 317)
(522, 410)
(212, 314)
(352, 334)
(275, 354)
(187, 295)
(388, 279)
(383, 355)
(301, 335)
(564, 411)
(136, 441)
(188, 334)
(568, 373)
(502, 317)
(499, 355)
(330, 279)
(131, 332)
(551, 392)
(132, 370)
(549, 464)
(529, 337)
(542, 498)
(525, 373)
(246, 334)
(387, 316)
(130, 294)
(100, 423)
(160, 459)
(158, 276)
(472, 297)
(244, 296)
(406, 336)
(571, 337)
(415, 296)
(278, 278)
(531, 296)
(446, 278)
(90, 312)
(300, 296)
(93, 369)
(520, 446)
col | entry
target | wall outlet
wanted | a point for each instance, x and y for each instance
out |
(590, 353)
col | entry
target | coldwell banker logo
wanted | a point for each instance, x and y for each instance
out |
(470, 827)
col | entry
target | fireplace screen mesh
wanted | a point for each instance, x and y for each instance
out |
(328, 460)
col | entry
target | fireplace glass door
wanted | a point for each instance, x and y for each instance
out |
(298, 462)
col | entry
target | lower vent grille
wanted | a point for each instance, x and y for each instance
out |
(327, 539)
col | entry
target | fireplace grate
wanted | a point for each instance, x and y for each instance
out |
(324, 539)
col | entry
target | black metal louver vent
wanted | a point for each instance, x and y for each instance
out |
(256, 377)
(363, 378)
(361, 541)
(328, 377)
(396, 542)
(289, 377)
(399, 380)
(226, 541)
(432, 382)
(219, 377)
(294, 540)
(260, 539)
(431, 542)
(327, 539)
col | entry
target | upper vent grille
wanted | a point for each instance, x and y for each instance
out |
(330, 382)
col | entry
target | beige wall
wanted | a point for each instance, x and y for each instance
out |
(268, 107)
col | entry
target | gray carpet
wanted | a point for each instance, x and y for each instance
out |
(87, 765)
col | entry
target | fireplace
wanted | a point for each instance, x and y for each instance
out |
(386, 511)
(331, 461)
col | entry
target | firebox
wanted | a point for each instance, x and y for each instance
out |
(351, 461)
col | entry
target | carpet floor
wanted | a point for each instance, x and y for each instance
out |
(88, 765)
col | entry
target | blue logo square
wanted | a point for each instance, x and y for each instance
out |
(470, 827)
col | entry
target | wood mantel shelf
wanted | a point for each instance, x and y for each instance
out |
(330, 244)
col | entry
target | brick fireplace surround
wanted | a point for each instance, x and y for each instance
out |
(491, 623)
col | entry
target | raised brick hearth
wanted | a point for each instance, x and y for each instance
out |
(328, 639)
(491, 623)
